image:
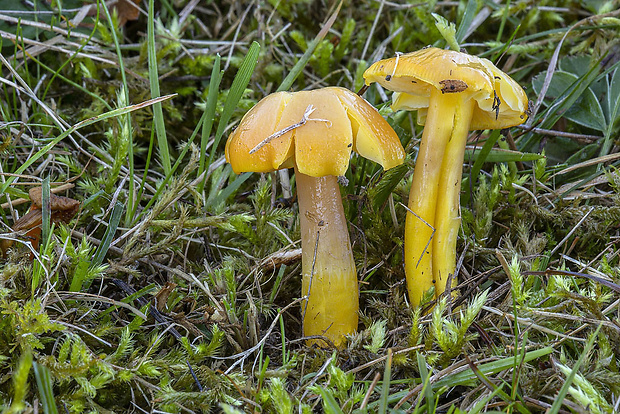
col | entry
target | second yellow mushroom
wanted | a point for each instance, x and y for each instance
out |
(453, 93)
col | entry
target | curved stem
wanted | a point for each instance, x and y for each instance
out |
(448, 218)
(329, 276)
(420, 225)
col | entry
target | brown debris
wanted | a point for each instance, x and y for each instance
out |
(127, 10)
(62, 209)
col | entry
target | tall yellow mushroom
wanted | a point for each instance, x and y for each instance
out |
(314, 132)
(453, 93)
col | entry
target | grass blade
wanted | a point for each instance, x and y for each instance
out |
(209, 115)
(424, 376)
(483, 154)
(43, 151)
(468, 377)
(102, 250)
(44, 383)
(226, 192)
(499, 155)
(45, 213)
(158, 114)
(301, 63)
(329, 402)
(385, 393)
(236, 91)
(559, 400)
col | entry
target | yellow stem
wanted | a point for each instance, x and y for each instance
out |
(448, 219)
(329, 276)
(420, 221)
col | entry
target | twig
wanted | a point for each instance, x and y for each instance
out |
(309, 110)
(383, 358)
(429, 239)
(554, 133)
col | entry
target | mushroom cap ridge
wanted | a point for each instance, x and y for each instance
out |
(500, 101)
(340, 123)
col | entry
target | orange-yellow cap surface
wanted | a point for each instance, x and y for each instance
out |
(341, 122)
(500, 101)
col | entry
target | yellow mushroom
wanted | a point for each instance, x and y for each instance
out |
(453, 93)
(314, 132)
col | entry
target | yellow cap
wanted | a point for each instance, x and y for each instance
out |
(500, 101)
(340, 122)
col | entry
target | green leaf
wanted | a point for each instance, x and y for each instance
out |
(500, 155)
(447, 30)
(226, 192)
(425, 378)
(385, 392)
(586, 110)
(613, 97)
(390, 179)
(466, 20)
(330, 405)
(483, 154)
(46, 219)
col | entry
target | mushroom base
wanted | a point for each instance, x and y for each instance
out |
(329, 275)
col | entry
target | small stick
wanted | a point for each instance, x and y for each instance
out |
(305, 118)
(389, 77)
(429, 239)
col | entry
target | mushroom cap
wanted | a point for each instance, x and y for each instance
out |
(500, 101)
(341, 122)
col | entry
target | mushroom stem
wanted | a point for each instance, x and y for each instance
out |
(434, 198)
(329, 276)
(448, 217)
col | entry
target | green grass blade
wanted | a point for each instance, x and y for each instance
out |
(45, 385)
(468, 17)
(158, 114)
(329, 402)
(102, 250)
(502, 24)
(424, 376)
(45, 212)
(483, 154)
(499, 155)
(301, 63)
(559, 400)
(176, 165)
(226, 192)
(236, 91)
(43, 151)
(385, 392)
(497, 389)
(613, 106)
(468, 377)
(121, 67)
(209, 115)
